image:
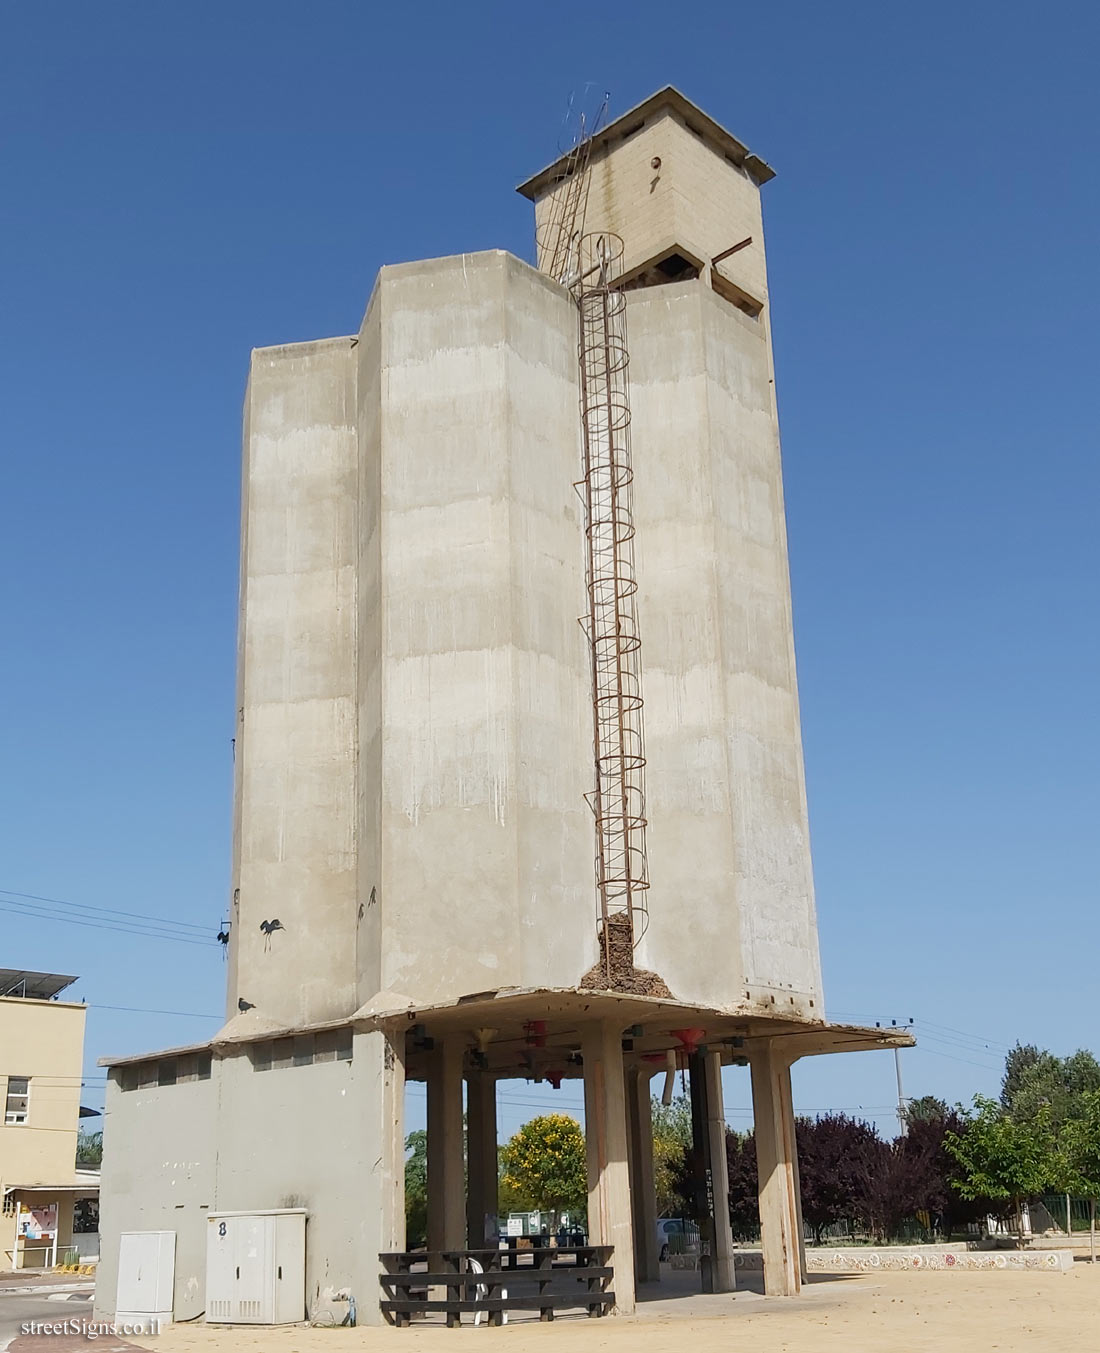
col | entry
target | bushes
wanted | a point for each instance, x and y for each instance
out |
(851, 1177)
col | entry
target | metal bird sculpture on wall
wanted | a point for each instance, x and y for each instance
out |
(268, 928)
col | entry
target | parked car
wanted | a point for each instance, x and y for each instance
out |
(667, 1227)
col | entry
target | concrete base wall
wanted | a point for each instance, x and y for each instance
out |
(158, 1175)
(250, 1140)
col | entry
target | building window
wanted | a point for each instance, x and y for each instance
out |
(193, 1066)
(18, 1100)
(333, 1045)
(189, 1066)
(330, 1045)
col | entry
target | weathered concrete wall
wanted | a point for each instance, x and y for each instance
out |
(414, 745)
(369, 678)
(416, 735)
(158, 1175)
(415, 742)
(731, 903)
(483, 872)
(294, 854)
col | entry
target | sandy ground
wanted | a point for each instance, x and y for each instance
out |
(886, 1313)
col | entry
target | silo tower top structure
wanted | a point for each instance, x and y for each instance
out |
(678, 189)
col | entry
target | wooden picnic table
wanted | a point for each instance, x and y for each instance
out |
(407, 1278)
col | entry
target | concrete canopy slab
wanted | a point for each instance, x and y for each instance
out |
(533, 1031)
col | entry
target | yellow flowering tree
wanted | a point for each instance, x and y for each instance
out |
(671, 1140)
(545, 1161)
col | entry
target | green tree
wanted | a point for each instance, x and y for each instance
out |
(546, 1162)
(1079, 1157)
(925, 1109)
(89, 1148)
(1019, 1063)
(511, 1199)
(744, 1185)
(672, 1121)
(416, 1189)
(1003, 1158)
(1036, 1080)
(671, 1141)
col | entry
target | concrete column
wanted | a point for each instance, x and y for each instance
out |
(481, 1160)
(446, 1191)
(379, 1218)
(800, 1229)
(777, 1163)
(723, 1276)
(606, 1136)
(643, 1190)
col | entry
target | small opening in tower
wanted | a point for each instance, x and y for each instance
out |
(672, 267)
(677, 268)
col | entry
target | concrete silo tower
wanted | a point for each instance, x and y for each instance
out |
(475, 839)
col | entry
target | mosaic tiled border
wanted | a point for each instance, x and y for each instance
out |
(925, 1258)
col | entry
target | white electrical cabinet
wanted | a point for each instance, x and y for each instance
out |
(256, 1267)
(146, 1277)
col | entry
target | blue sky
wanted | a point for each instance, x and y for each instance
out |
(182, 183)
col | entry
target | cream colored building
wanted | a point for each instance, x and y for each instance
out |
(41, 1057)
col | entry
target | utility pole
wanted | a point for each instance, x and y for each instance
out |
(902, 1124)
(903, 1127)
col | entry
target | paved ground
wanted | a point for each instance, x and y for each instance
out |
(24, 1278)
(895, 1312)
(17, 1310)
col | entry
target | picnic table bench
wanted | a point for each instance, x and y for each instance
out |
(555, 1279)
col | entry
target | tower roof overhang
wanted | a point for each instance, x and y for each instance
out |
(671, 100)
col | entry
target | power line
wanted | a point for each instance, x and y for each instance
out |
(109, 911)
(983, 1066)
(989, 1042)
(40, 914)
(862, 1017)
(143, 1010)
(956, 1046)
(47, 909)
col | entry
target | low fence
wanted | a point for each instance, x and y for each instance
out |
(1062, 1212)
(491, 1283)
